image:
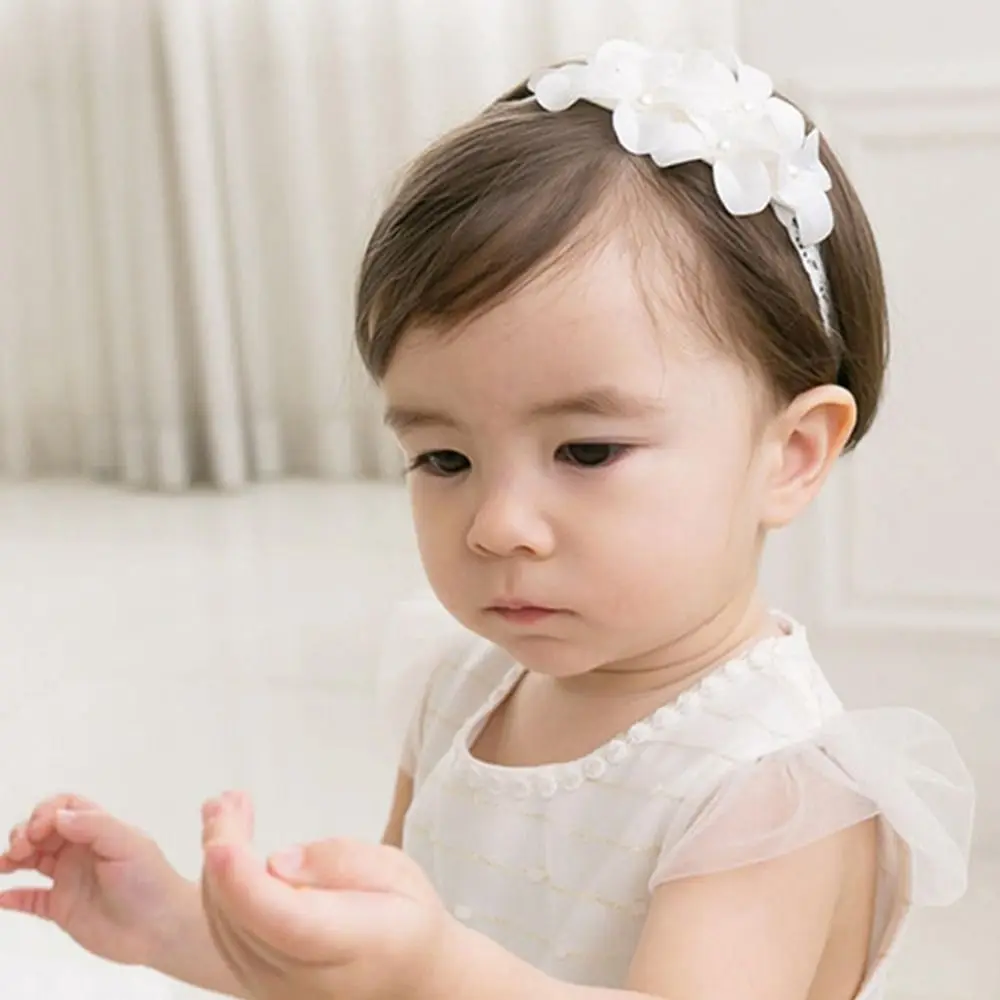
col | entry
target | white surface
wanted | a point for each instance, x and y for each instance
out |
(157, 650)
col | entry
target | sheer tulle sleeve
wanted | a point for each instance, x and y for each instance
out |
(897, 764)
(421, 638)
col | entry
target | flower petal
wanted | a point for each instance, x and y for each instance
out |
(810, 147)
(706, 86)
(798, 187)
(703, 69)
(788, 122)
(677, 142)
(618, 50)
(750, 133)
(755, 85)
(743, 184)
(628, 127)
(616, 72)
(814, 218)
(661, 70)
(556, 90)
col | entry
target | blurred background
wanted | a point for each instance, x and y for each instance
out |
(202, 524)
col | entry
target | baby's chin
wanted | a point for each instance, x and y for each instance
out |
(559, 644)
(553, 655)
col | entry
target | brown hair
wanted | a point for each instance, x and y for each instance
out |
(508, 194)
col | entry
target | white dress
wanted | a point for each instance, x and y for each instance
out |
(557, 862)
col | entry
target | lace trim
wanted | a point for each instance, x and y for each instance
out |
(547, 780)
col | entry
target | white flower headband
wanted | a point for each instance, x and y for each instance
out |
(677, 107)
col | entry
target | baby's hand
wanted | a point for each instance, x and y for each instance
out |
(334, 919)
(112, 889)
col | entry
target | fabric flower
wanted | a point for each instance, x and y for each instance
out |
(802, 188)
(678, 107)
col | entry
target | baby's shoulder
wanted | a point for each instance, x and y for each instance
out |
(772, 697)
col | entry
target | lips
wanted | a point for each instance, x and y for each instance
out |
(521, 613)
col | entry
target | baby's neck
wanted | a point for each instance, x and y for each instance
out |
(551, 720)
(675, 666)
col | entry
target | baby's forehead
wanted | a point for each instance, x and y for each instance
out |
(600, 304)
(579, 343)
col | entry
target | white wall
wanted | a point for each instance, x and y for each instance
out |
(899, 571)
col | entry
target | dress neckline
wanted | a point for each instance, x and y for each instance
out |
(548, 779)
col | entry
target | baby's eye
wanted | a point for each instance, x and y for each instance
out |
(590, 454)
(441, 463)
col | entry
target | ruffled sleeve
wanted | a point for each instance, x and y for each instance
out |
(896, 764)
(421, 640)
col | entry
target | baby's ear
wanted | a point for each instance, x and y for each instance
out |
(807, 438)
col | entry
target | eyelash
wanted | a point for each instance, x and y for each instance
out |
(426, 460)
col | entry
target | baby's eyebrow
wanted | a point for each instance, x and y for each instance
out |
(410, 418)
(599, 401)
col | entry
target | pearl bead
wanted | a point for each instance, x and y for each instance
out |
(640, 732)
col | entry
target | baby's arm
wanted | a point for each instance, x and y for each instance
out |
(343, 918)
(189, 954)
(755, 933)
(403, 796)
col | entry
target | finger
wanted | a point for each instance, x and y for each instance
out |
(109, 838)
(34, 902)
(351, 865)
(40, 828)
(306, 924)
(19, 845)
(43, 816)
(244, 952)
(22, 864)
(228, 819)
(43, 863)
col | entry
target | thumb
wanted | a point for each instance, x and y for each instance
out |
(304, 920)
(109, 838)
(350, 865)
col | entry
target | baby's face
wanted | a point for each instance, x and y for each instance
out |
(573, 453)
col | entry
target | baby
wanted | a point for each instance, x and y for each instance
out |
(625, 321)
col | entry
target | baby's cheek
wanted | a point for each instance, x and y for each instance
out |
(681, 548)
(685, 521)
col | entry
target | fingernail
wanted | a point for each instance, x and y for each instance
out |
(288, 862)
(65, 816)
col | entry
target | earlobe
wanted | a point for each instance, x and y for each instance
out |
(810, 436)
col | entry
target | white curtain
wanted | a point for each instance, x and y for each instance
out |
(185, 189)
